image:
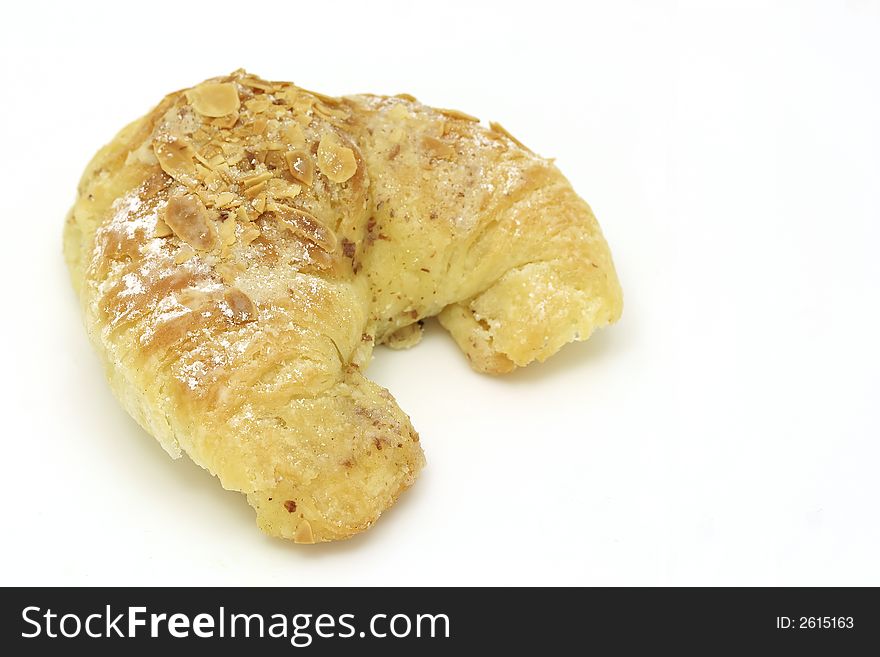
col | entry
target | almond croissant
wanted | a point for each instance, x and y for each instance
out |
(241, 249)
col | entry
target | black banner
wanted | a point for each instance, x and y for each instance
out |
(437, 621)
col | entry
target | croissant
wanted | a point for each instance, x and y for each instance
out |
(241, 249)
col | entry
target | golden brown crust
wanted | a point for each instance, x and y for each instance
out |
(241, 249)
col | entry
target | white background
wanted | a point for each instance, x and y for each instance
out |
(724, 432)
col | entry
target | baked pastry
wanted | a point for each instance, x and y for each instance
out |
(241, 249)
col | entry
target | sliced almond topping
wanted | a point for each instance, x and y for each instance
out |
(201, 158)
(398, 112)
(437, 147)
(255, 156)
(258, 127)
(233, 152)
(332, 101)
(162, 229)
(143, 154)
(176, 158)
(455, 114)
(289, 94)
(227, 231)
(318, 258)
(226, 122)
(331, 112)
(260, 201)
(275, 160)
(250, 233)
(280, 189)
(500, 129)
(224, 172)
(210, 150)
(204, 196)
(193, 298)
(257, 83)
(214, 180)
(184, 253)
(154, 184)
(224, 198)
(301, 167)
(335, 160)
(201, 135)
(258, 105)
(303, 533)
(250, 181)
(202, 171)
(255, 190)
(303, 117)
(229, 271)
(214, 99)
(187, 216)
(273, 127)
(241, 308)
(306, 225)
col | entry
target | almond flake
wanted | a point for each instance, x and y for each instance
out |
(250, 181)
(335, 160)
(226, 122)
(214, 99)
(398, 112)
(162, 229)
(280, 189)
(258, 127)
(255, 190)
(227, 231)
(249, 234)
(183, 254)
(257, 83)
(308, 226)
(500, 129)
(300, 165)
(187, 216)
(437, 147)
(175, 157)
(224, 198)
(455, 114)
(241, 308)
(293, 135)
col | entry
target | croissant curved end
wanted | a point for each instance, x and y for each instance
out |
(241, 249)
